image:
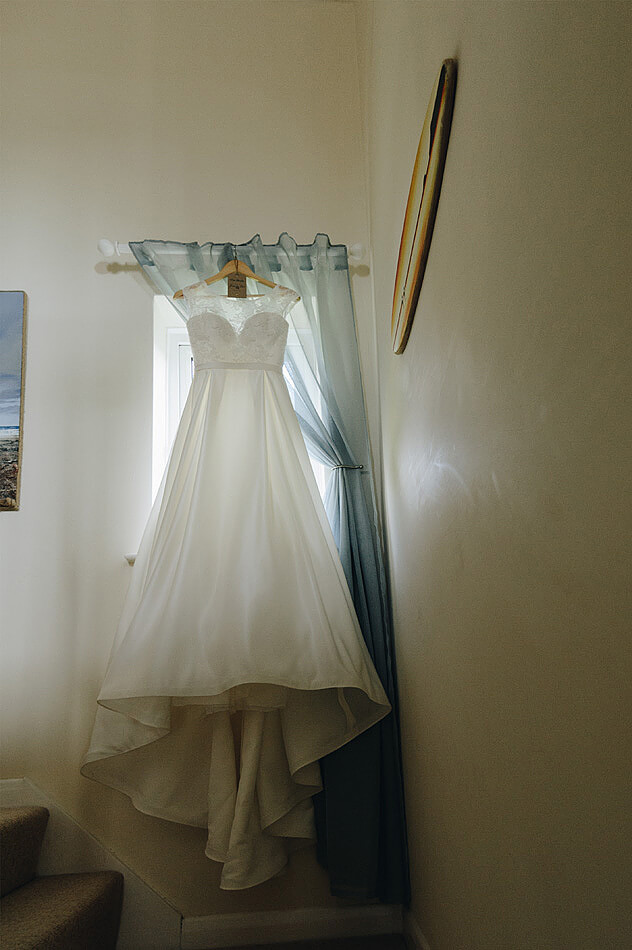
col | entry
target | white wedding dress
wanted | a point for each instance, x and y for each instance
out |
(238, 661)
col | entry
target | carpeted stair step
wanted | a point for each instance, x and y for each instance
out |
(21, 835)
(60, 912)
(63, 912)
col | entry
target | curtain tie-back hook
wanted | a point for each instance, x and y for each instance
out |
(347, 466)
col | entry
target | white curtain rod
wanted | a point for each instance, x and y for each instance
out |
(117, 249)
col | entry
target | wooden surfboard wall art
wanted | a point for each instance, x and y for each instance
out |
(423, 199)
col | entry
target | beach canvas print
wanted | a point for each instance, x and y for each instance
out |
(12, 316)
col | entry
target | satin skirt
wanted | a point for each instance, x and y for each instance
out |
(238, 662)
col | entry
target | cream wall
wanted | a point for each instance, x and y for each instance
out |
(127, 120)
(506, 450)
(504, 426)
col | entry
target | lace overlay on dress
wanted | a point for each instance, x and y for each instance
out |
(238, 330)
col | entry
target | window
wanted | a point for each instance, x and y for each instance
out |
(173, 372)
(299, 338)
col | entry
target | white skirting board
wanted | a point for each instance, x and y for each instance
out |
(148, 922)
(306, 923)
(412, 932)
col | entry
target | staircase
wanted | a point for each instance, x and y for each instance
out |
(57, 912)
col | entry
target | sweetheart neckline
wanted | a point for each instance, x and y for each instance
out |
(239, 330)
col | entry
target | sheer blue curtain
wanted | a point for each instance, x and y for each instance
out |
(360, 813)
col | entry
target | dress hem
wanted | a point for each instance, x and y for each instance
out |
(153, 694)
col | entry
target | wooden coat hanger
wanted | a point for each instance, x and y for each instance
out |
(233, 267)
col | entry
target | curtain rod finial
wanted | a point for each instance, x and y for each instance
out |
(356, 252)
(106, 247)
(112, 248)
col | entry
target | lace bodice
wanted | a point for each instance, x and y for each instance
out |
(238, 329)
